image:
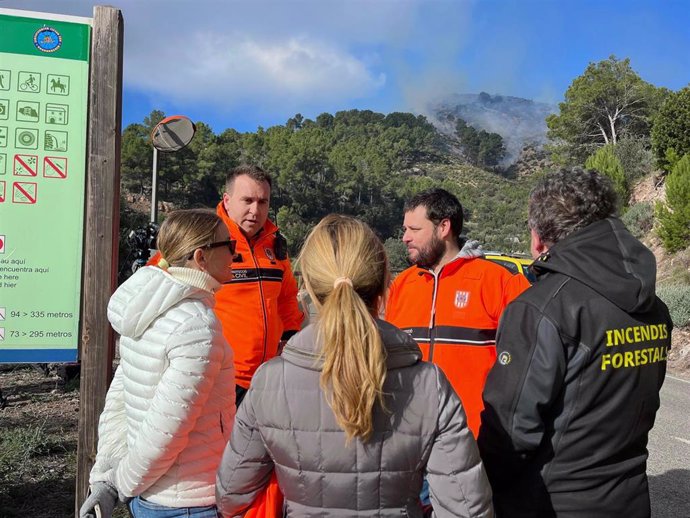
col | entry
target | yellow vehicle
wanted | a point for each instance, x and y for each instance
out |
(514, 262)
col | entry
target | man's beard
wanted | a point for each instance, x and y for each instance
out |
(429, 256)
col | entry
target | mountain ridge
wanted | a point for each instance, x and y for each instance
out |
(520, 122)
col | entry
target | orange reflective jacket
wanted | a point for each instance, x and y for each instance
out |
(453, 316)
(259, 304)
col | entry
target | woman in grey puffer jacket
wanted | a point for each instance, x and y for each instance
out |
(350, 417)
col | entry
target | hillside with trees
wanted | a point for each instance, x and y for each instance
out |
(367, 164)
(353, 162)
(638, 135)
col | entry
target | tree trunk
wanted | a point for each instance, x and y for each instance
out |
(612, 122)
(603, 133)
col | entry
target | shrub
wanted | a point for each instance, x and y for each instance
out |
(674, 216)
(635, 157)
(639, 219)
(677, 298)
(672, 127)
(606, 162)
(18, 448)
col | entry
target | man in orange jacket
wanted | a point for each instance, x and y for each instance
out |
(450, 301)
(258, 308)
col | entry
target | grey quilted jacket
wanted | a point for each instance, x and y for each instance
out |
(285, 423)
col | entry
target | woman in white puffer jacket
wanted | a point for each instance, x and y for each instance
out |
(171, 405)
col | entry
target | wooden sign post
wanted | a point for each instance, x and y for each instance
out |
(101, 233)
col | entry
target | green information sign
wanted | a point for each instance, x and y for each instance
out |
(44, 85)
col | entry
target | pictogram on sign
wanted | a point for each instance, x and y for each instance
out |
(24, 192)
(2, 192)
(25, 165)
(54, 167)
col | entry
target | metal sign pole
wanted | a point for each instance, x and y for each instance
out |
(154, 187)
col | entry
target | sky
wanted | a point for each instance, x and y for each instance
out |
(245, 64)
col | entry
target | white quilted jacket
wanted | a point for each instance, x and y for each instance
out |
(171, 405)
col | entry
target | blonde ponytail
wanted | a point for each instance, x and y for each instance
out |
(345, 271)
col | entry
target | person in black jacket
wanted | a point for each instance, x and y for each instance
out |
(581, 359)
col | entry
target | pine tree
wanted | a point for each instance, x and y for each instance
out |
(674, 216)
(671, 130)
(606, 162)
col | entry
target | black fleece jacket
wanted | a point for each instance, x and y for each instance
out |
(574, 392)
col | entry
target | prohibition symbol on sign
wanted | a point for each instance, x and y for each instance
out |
(25, 165)
(24, 192)
(54, 167)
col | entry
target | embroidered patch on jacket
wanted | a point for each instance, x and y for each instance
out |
(461, 299)
(504, 358)
(269, 254)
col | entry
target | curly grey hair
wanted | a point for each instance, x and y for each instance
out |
(567, 200)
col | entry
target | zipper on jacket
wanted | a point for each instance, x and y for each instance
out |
(263, 301)
(432, 318)
(261, 293)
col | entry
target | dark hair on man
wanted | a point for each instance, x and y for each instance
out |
(439, 205)
(255, 173)
(567, 200)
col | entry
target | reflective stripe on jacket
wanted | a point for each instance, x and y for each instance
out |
(453, 316)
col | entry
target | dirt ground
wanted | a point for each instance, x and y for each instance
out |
(38, 444)
(38, 437)
(679, 355)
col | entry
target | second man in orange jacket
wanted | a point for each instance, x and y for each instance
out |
(450, 301)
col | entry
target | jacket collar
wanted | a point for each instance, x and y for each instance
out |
(195, 278)
(606, 257)
(471, 249)
(304, 348)
(235, 230)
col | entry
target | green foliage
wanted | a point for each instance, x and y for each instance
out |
(671, 128)
(606, 162)
(635, 156)
(136, 159)
(495, 208)
(355, 162)
(397, 254)
(677, 298)
(639, 219)
(19, 446)
(294, 228)
(674, 216)
(609, 100)
(37, 459)
(152, 119)
(672, 158)
(481, 148)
